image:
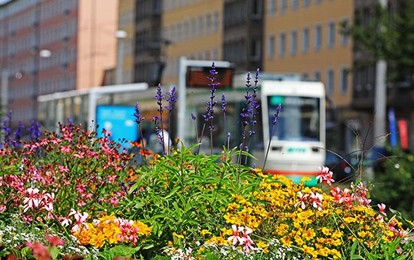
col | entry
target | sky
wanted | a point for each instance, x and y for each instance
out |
(3, 1)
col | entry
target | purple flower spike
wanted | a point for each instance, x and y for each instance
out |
(172, 98)
(6, 128)
(193, 117)
(223, 103)
(276, 115)
(137, 114)
(159, 97)
(34, 130)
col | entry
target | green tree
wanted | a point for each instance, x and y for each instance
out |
(386, 33)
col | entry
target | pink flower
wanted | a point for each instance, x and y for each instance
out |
(33, 200)
(114, 201)
(79, 217)
(235, 238)
(381, 208)
(325, 176)
(65, 149)
(247, 241)
(63, 168)
(39, 250)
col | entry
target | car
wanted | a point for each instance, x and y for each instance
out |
(376, 158)
(340, 165)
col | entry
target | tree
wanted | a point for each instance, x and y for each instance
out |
(386, 33)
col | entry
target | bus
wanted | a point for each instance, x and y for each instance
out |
(294, 144)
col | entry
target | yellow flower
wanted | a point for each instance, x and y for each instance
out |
(232, 206)
(362, 234)
(282, 229)
(205, 232)
(217, 241)
(309, 251)
(308, 234)
(262, 245)
(286, 241)
(177, 235)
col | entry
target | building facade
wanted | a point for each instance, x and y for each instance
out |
(126, 39)
(148, 64)
(192, 29)
(304, 37)
(50, 46)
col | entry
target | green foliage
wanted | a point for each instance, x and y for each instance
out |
(386, 34)
(394, 186)
(183, 193)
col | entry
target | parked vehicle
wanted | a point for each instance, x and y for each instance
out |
(341, 166)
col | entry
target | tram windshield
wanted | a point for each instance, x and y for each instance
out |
(299, 119)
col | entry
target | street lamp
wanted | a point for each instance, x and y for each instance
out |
(121, 36)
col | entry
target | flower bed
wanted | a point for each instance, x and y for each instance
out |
(72, 195)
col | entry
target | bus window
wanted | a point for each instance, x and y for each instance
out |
(298, 120)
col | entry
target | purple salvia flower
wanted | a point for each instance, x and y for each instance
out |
(172, 99)
(137, 114)
(276, 115)
(254, 105)
(18, 134)
(245, 113)
(209, 115)
(223, 103)
(6, 128)
(193, 117)
(34, 130)
(159, 97)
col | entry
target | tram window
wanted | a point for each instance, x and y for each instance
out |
(298, 119)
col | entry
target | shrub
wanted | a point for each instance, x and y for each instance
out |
(394, 186)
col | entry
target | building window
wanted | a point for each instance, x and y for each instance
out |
(331, 35)
(216, 21)
(271, 47)
(193, 27)
(305, 3)
(295, 5)
(318, 37)
(255, 49)
(344, 80)
(305, 40)
(293, 43)
(282, 45)
(200, 25)
(257, 8)
(283, 6)
(317, 75)
(330, 82)
(208, 23)
(272, 7)
(344, 37)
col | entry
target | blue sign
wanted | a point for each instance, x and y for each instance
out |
(393, 127)
(118, 121)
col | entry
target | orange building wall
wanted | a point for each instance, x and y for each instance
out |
(97, 25)
(340, 56)
(194, 46)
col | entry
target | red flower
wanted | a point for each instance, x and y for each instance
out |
(55, 240)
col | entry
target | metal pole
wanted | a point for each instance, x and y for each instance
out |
(4, 99)
(4, 93)
(182, 98)
(380, 97)
(121, 36)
